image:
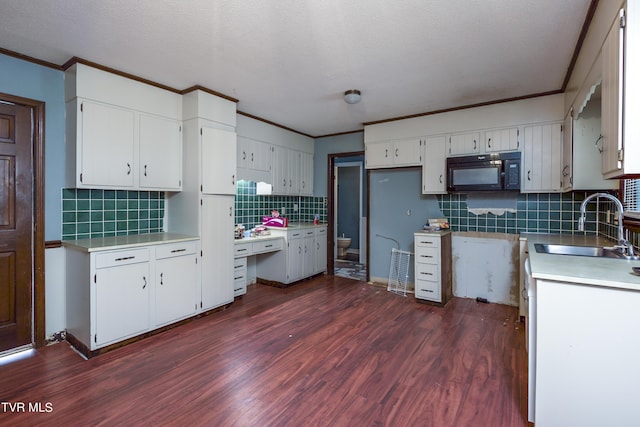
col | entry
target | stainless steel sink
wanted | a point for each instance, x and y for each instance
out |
(591, 251)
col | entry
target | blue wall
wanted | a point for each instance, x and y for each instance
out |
(28, 80)
(349, 204)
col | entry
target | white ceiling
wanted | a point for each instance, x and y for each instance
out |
(289, 61)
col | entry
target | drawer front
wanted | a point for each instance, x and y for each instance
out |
(322, 231)
(239, 287)
(427, 241)
(426, 289)
(176, 249)
(429, 272)
(242, 249)
(425, 255)
(112, 259)
(239, 264)
(267, 246)
(240, 275)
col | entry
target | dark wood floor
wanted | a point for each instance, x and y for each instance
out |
(326, 352)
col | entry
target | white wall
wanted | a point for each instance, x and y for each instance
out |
(55, 291)
(261, 131)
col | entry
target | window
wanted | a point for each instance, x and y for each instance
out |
(631, 202)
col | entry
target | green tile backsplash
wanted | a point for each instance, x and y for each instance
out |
(104, 213)
(250, 207)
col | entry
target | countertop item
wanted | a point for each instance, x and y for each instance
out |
(438, 232)
(605, 272)
(298, 225)
(125, 242)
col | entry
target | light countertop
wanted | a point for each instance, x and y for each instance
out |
(126, 242)
(606, 272)
(434, 233)
(298, 225)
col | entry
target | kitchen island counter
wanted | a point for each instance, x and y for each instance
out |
(125, 242)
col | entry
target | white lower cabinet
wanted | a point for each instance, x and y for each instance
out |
(122, 288)
(304, 254)
(176, 282)
(116, 294)
(433, 278)
(217, 251)
(239, 276)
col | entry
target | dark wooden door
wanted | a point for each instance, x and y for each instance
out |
(16, 225)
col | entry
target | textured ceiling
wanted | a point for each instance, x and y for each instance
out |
(289, 61)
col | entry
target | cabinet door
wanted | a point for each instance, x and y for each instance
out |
(175, 288)
(122, 302)
(407, 152)
(378, 155)
(306, 174)
(464, 143)
(243, 153)
(321, 250)
(160, 153)
(280, 171)
(218, 161)
(294, 172)
(217, 243)
(567, 153)
(309, 253)
(612, 99)
(294, 257)
(502, 140)
(434, 179)
(542, 171)
(106, 147)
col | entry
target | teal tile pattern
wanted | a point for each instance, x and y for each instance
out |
(535, 213)
(104, 213)
(250, 208)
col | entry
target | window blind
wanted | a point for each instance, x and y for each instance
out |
(631, 193)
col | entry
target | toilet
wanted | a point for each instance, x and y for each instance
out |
(343, 244)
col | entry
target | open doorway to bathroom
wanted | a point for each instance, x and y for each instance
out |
(348, 216)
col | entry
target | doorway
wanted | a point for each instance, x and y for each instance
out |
(21, 223)
(347, 216)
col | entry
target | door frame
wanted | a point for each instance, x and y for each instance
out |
(37, 227)
(336, 207)
(331, 162)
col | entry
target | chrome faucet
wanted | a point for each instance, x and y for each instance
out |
(623, 244)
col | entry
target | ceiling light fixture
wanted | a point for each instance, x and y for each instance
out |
(352, 96)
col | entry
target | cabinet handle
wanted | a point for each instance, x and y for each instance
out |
(125, 258)
(177, 250)
(426, 242)
(161, 277)
(230, 210)
(426, 256)
(318, 245)
(128, 169)
(284, 183)
(475, 144)
(145, 170)
(241, 250)
(426, 290)
(244, 155)
(426, 274)
(488, 142)
(268, 246)
(290, 183)
(396, 152)
(251, 157)
(529, 175)
(440, 178)
(233, 179)
(145, 282)
(386, 153)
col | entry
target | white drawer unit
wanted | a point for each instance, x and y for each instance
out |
(433, 281)
(243, 249)
(239, 276)
(267, 246)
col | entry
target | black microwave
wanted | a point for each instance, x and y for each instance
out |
(486, 172)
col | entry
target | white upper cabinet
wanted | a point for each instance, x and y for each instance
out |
(254, 160)
(567, 153)
(105, 152)
(464, 143)
(542, 158)
(160, 153)
(434, 179)
(502, 140)
(620, 104)
(218, 162)
(121, 134)
(390, 154)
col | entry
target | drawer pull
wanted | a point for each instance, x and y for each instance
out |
(426, 290)
(239, 266)
(268, 246)
(238, 277)
(426, 256)
(241, 250)
(428, 274)
(427, 242)
(125, 258)
(177, 250)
